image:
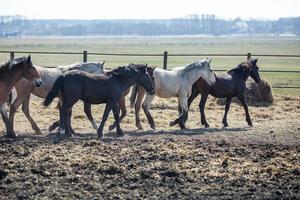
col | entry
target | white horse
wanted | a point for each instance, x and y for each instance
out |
(176, 83)
(48, 75)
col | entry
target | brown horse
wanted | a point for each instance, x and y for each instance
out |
(10, 74)
(233, 84)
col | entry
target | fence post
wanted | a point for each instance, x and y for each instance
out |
(84, 56)
(248, 56)
(12, 55)
(165, 64)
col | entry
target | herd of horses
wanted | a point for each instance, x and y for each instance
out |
(93, 84)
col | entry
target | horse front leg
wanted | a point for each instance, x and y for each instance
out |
(202, 107)
(13, 109)
(227, 106)
(137, 107)
(9, 127)
(191, 98)
(25, 109)
(243, 102)
(116, 111)
(88, 113)
(146, 105)
(107, 110)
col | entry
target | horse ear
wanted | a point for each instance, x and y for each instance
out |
(255, 61)
(209, 60)
(29, 59)
(103, 62)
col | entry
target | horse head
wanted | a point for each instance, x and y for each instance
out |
(253, 69)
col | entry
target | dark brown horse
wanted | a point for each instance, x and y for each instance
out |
(233, 84)
(97, 89)
(10, 74)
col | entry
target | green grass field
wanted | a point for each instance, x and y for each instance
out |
(157, 45)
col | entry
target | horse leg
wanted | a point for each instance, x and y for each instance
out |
(227, 106)
(122, 106)
(25, 109)
(56, 124)
(13, 109)
(64, 119)
(88, 112)
(243, 102)
(137, 107)
(146, 105)
(191, 98)
(9, 127)
(201, 107)
(116, 112)
(69, 124)
(107, 110)
(180, 120)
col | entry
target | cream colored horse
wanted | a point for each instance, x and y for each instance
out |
(48, 75)
(175, 83)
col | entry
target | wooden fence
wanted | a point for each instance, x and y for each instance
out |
(165, 56)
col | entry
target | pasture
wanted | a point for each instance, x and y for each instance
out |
(235, 45)
(238, 162)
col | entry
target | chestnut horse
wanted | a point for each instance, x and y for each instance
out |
(10, 74)
(48, 75)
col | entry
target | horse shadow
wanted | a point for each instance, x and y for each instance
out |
(55, 138)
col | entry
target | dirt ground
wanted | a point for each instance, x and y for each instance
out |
(239, 162)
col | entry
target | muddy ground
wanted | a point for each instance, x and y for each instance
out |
(239, 162)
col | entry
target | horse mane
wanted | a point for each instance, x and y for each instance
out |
(12, 64)
(192, 66)
(77, 66)
(242, 65)
(125, 70)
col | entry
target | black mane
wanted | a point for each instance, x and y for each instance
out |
(126, 70)
(239, 68)
(12, 64)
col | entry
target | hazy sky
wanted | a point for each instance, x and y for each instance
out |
(149, 9)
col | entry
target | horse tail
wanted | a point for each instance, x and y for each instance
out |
(133, 95)
(56, 88)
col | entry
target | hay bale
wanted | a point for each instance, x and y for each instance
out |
(256, 94)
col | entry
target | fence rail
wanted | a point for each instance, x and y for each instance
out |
(165, 56)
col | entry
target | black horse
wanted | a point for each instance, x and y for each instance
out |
(96, 89)
(233, 84)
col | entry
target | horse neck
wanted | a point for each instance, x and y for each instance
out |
(128, 81)
(193, 75)
(13, 77)
(240, 74)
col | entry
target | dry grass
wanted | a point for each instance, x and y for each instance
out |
(237, 162)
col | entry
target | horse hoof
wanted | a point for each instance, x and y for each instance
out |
(111, 127)
(120, 133)
(182, 127)
(139, 127)
(225, 125)
(172, 123)
(153, 127)
(250, 124)
(206, 125)
(11, 135)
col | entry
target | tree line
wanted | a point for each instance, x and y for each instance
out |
(192, 25)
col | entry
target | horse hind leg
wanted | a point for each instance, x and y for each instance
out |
(116, 113)
(146, 105)
(25, 109)
(9, 127)
(137, 107)
(202, 107)
(88, 112)
(182, 118)
(122, 106)
(243, 102)
(227, 106)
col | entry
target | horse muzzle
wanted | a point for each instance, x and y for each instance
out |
(37, 83)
